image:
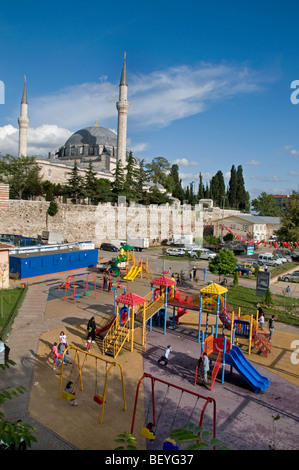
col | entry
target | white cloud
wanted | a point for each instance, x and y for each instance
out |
(184, 162)
(294, 152)
(253, 162)
(294, 173)
(157, 98)
(41, 140)
(274, 179)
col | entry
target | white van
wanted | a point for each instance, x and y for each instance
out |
(269, 259)
(204, 253)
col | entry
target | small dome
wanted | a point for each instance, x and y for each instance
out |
(95, 135)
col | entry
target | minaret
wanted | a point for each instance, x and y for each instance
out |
(23, 121)
(122, 106)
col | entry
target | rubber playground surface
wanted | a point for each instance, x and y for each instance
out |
(244, 420)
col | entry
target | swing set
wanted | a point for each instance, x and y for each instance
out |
(148, 434)
(71, 277)
(100, 399)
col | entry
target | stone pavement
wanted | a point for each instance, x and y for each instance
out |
(23, 341)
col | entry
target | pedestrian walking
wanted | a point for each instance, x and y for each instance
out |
(261, 320)
(165, 356)
(91, 329)
(271, 326)
(205, 367)
(288, 291)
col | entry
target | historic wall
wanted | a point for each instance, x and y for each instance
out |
(103, 222)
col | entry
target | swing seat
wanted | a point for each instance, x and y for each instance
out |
(170, 444)
(98, 399)
(147, 434)
(85, 294)
(68, 396)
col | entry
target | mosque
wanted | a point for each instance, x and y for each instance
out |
(94, 144)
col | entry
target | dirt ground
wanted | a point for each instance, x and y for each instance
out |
(80, 424)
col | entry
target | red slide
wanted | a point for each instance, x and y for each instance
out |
(106, 327)
(181, 312)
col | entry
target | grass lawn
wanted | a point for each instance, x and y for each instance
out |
(9, 299)
(286, 309)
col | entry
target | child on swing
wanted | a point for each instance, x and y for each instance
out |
(69, 389)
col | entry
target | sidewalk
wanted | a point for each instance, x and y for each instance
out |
(23, 341)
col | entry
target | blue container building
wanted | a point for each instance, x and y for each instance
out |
(29, 265)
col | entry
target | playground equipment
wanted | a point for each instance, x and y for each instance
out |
(233, 356)
(122, 328)
(212, 300)
(107, 280)
(100, 399)
(140, 268)
(72, 277)
(155, 419)
(142, 308)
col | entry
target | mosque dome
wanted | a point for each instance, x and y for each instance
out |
(94, 135)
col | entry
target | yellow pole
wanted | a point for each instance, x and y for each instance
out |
(250, 334)
(239, 313)
(132, 329)
(257, 319)
(232, 327)
(117, 312)
(143, 325)
(112, 364)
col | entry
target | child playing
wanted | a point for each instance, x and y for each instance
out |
(55, 355)
(88, 345)
(69, 389)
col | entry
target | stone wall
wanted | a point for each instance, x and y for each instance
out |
(103, 222)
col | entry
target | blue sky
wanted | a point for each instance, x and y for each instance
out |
(209, 83)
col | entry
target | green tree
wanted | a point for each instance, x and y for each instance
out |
(103, 190)
(117, 186)
(289, 230)
(178, 191)
(265, 205)
(11, 432)
(75, 185)
(201, 191)
(22, 174)
(224, 263)
(232, 188)
(130, 180)
(158, 170)
(90, 184)
(241, 194)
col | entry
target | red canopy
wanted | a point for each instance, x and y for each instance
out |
(131, 299)
(163, 281)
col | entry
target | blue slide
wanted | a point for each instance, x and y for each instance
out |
(236, 358)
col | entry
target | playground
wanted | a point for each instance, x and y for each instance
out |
(239, 415)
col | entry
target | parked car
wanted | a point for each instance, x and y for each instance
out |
(295, 256)
(108, 247)
(262, 266)
(243, 271)
(175, 251)
(281, 257)
(204, 253)
(246, 265)
(294, 276)
(269, 259)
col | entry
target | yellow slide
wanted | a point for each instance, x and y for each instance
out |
(133, 273)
